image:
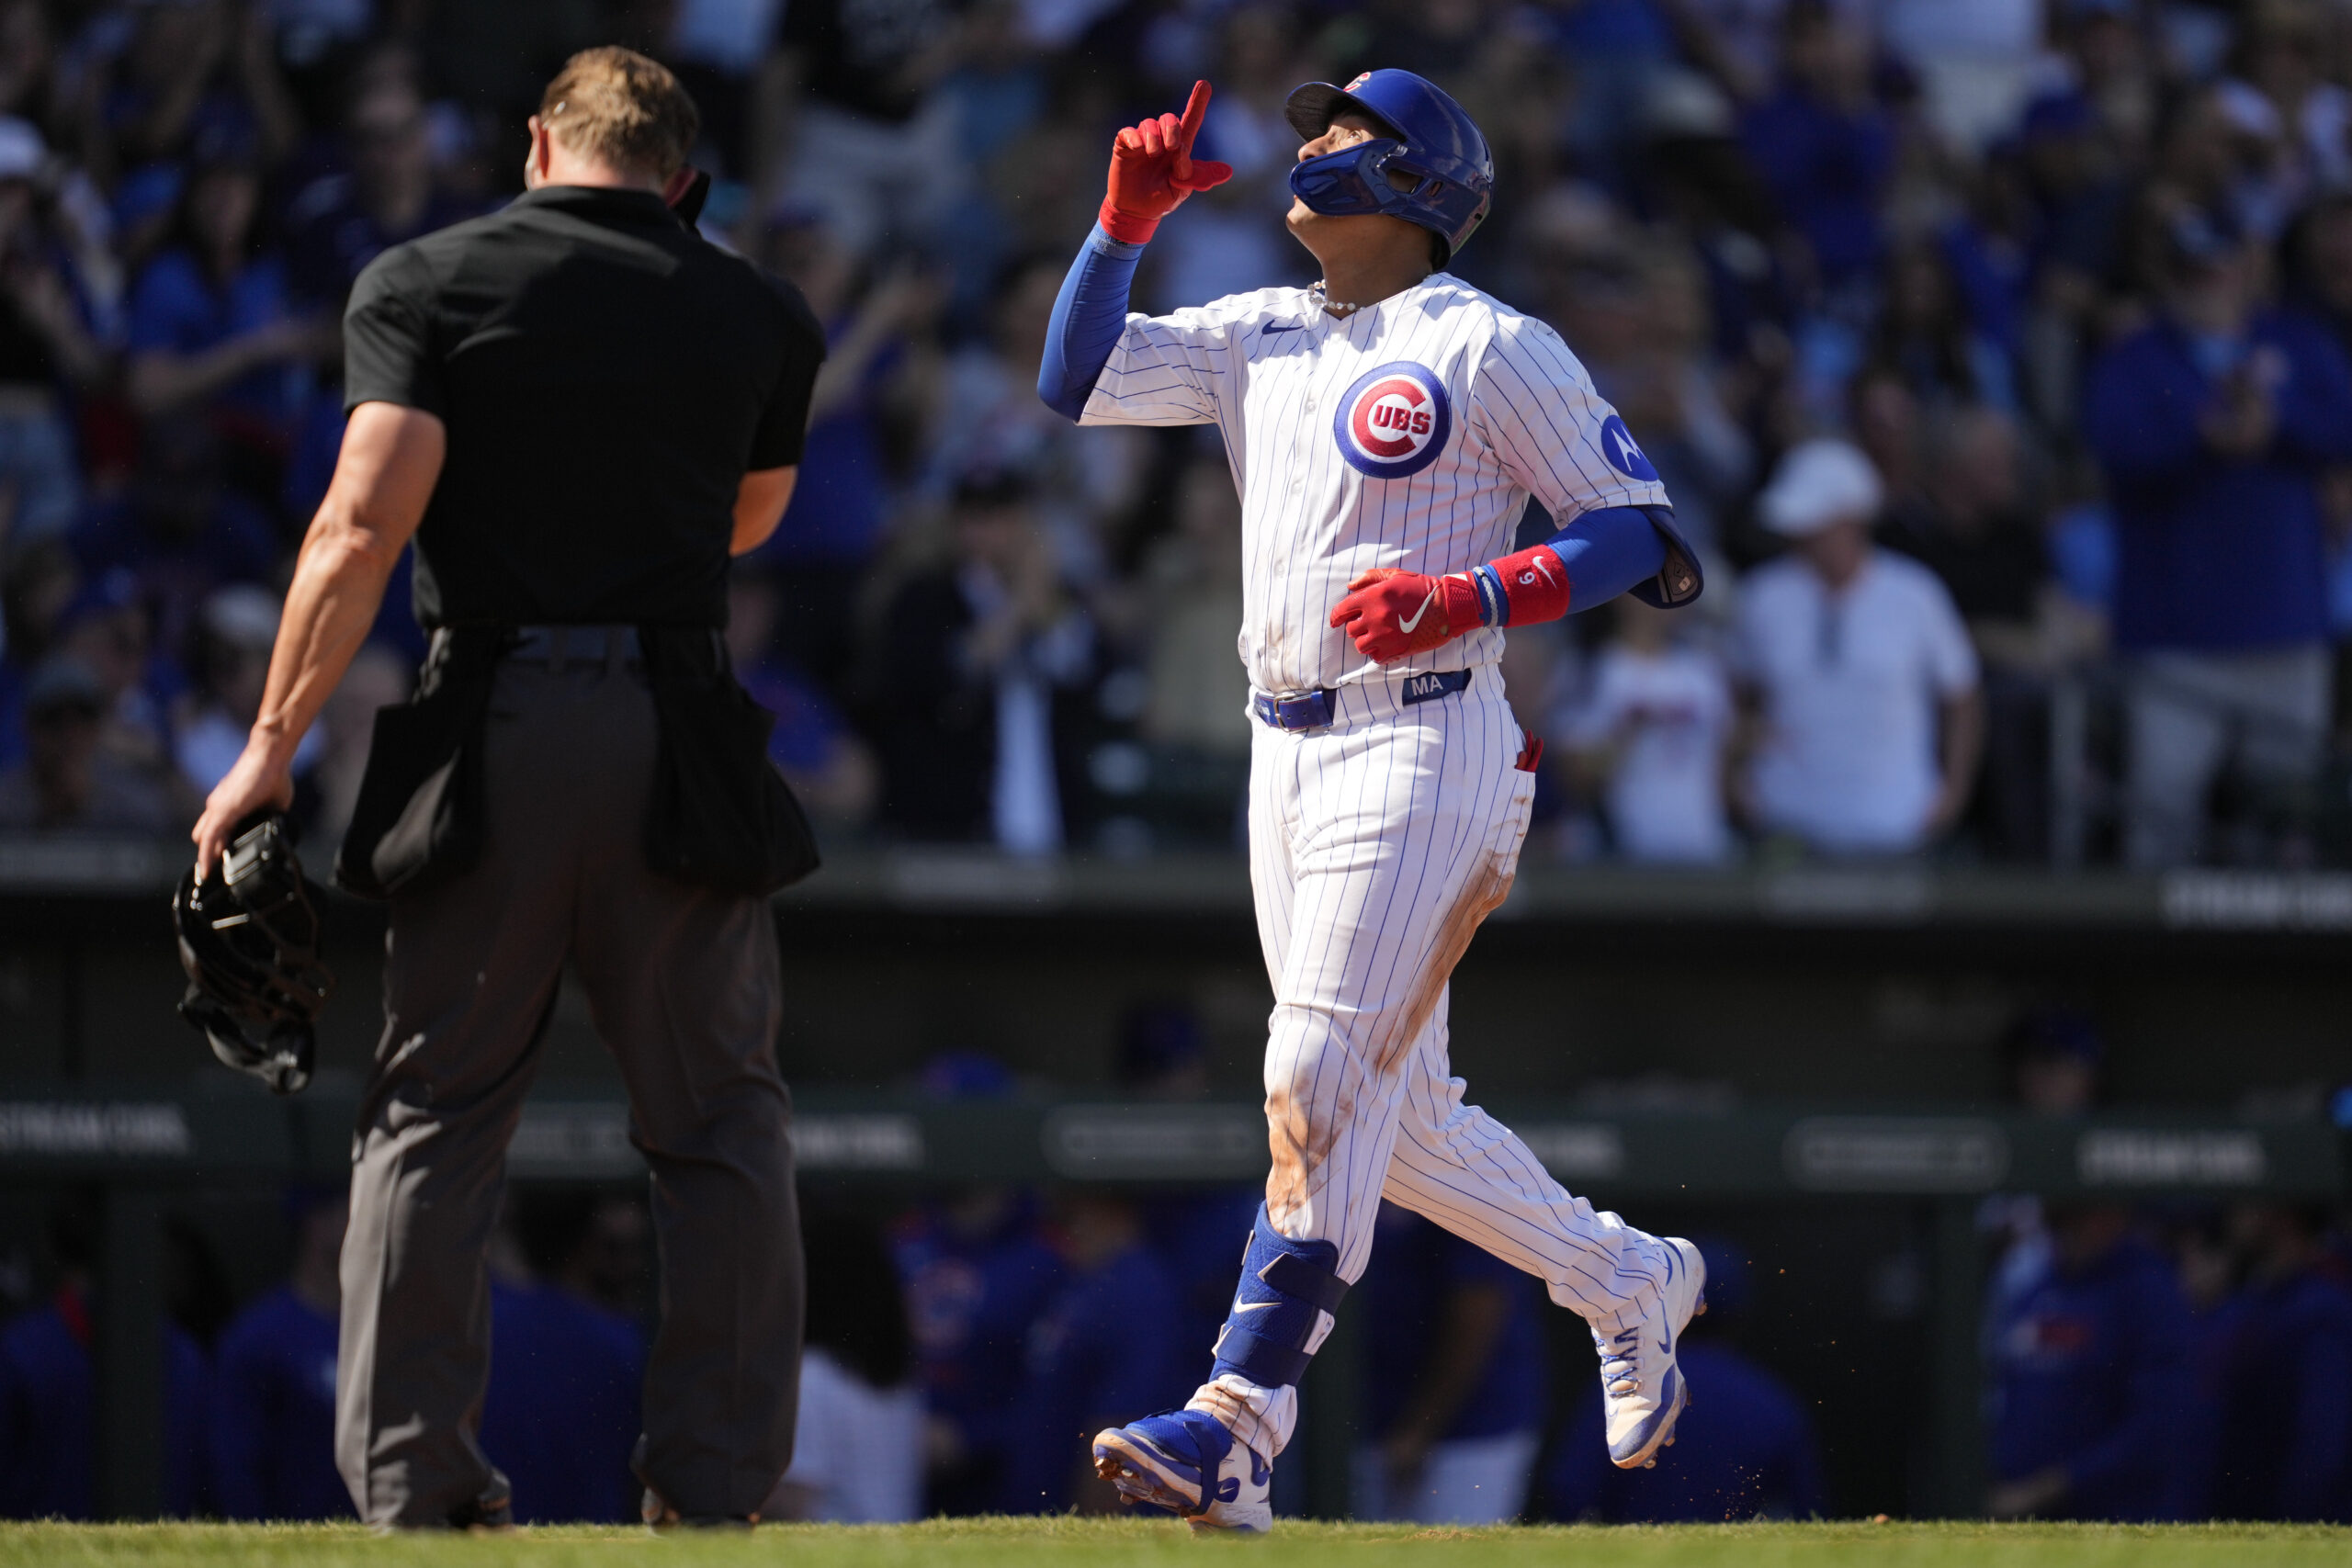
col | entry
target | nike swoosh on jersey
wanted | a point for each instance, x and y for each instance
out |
(1407, 626)
(1272, 328)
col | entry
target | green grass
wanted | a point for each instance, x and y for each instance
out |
(1081, 1543)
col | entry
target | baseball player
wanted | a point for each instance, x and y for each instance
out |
(1386, 428)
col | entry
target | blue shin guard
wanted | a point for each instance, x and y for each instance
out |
(1285, 1288)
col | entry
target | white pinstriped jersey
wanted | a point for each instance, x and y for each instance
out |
(1407, 434)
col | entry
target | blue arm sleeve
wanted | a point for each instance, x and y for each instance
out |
(1627, 550)
(1089, 315)
(1607, 552)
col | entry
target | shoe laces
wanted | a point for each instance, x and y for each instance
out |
(1621, 1361)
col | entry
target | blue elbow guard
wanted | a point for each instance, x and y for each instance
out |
(1678, 580)
(1286, 1287)
(1090, 313)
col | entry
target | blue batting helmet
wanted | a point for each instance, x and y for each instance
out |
(1432, 168)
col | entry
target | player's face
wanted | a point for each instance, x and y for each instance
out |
(1355, 234)
(1345, 130)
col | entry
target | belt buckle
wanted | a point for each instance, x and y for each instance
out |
(1306, 710)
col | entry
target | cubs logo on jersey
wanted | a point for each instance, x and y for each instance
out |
(1393, 422)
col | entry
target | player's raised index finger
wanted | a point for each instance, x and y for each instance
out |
(1197, 108)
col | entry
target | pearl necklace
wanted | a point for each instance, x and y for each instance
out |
(1337, 307)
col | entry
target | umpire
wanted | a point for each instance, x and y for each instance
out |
(579, 410)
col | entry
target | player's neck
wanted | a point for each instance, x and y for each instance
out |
(1359, 282)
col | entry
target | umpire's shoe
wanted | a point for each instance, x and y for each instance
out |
(1641, 1389)
(1184, 1461)
(492, 1512)
(661, 1517)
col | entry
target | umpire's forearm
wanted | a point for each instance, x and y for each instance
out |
(337, 589)
(385, 474)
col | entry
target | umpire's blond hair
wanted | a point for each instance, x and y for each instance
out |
(618, 106)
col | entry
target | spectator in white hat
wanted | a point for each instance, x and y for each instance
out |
(1856, 668)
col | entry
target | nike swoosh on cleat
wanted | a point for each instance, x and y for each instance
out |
(1407, 626)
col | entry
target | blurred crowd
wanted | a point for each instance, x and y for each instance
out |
(1995, 352)
(2125, 1350)
(2183, 1363)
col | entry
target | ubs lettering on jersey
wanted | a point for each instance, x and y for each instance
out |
(1393, 422)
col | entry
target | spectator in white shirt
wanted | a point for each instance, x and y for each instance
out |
(1857, 670)
(1656, 730)
(857, 1456)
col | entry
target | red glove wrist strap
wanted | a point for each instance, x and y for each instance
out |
(1457, 600)
(1126, 227)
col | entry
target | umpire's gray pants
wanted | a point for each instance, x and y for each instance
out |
(683, 985)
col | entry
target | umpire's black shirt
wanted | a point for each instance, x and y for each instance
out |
(606, 376)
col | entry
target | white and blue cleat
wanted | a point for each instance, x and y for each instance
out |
(1641, 1389)
(1185, 1462)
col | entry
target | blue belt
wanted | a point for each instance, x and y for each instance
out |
(1308, 710)
(1316, 710)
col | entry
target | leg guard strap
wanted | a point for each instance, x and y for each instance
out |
(1286, 1287)
(1262, 1361)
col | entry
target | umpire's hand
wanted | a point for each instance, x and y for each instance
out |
(262, 779)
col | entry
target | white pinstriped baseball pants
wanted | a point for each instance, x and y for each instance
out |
(1376, 847)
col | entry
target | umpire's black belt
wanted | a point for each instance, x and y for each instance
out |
(1317, 709)
(696, 650)
(555, 646)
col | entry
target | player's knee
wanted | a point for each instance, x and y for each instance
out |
(1304, 1041)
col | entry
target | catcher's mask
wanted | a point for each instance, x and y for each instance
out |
(249, 940)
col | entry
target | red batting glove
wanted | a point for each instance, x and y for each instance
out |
(1152, 171)
(1394, 614)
